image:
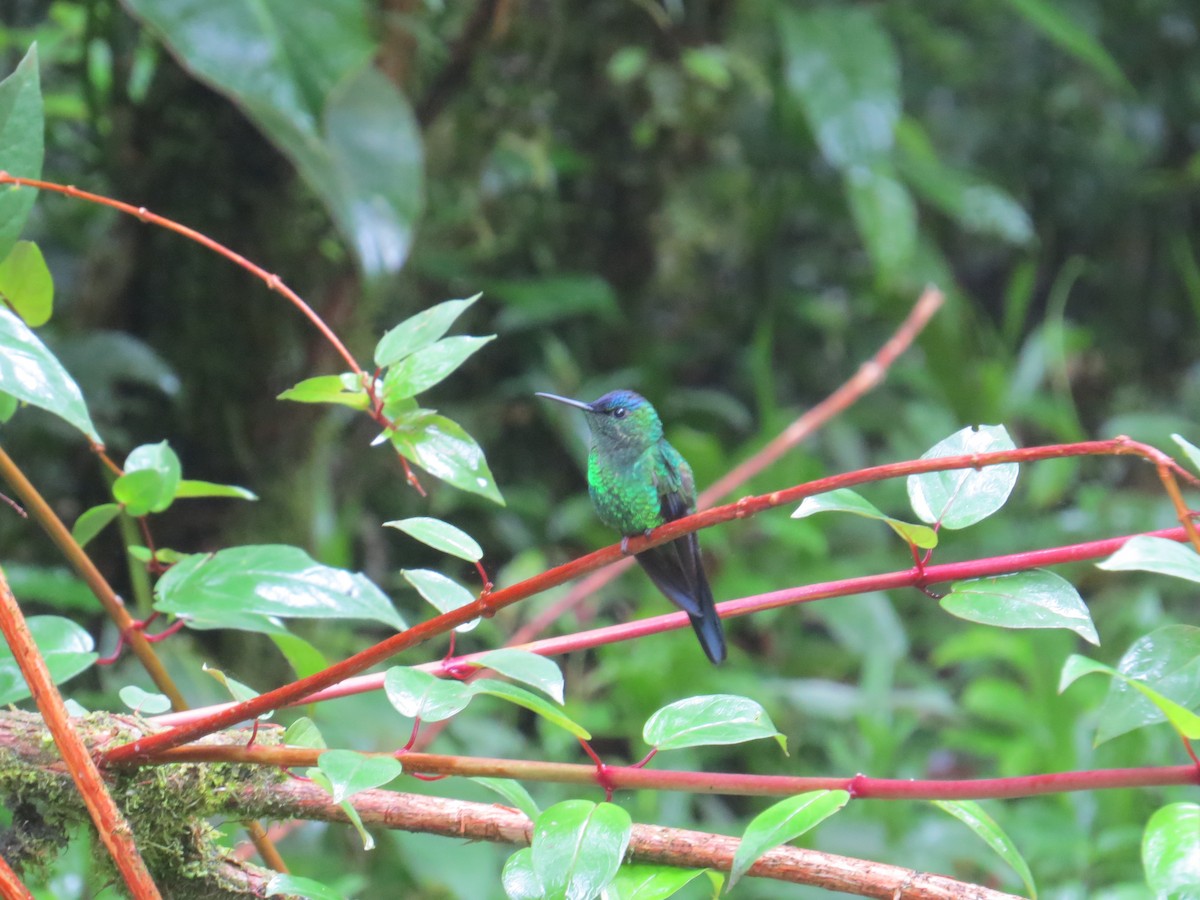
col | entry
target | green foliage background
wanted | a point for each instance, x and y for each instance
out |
(728, 207)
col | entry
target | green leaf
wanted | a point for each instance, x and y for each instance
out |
(143, 702)
(1168, 660)
(152, 474)
(65, 646)
(649, 882)
(578, 846)
(8, 406)
(92, 521)
(22, 130)
(1057, 25)
(972, 815)
(419, 695)
(350, 772)
(31, 373)
(962, 497)
(783, 822)
(529, 668)
(1154, 554)
(238, 690)
(52, 585)
(302, 75)
(885, 216)
(540, 302)
(26, 284)
(531, 702)
(321, 780)
(299, 886)
(1171, 851)
(429, 365)
(1182, 719)
(419, 331)
(303, 657)
(189, 488)
(842, 68)
(440, 536)
(707, 720)
(304, 733)
(519, 879)
(444, 594)
(846, 500)
(345, 389)
(1190, 450)
(445, 451)
(268, 580)
(512, 791)
(1034, 599)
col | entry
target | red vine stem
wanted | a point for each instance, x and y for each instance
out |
(489, 604)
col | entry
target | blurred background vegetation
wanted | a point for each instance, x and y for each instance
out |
(727, 207)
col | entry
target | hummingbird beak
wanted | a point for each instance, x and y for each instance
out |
(587, 407)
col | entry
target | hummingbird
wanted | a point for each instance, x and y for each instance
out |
(638, 481)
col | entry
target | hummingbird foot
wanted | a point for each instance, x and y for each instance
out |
(625, 545)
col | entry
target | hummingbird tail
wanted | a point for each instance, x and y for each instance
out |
(711, 635)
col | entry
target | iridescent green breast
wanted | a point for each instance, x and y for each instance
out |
(624, 494)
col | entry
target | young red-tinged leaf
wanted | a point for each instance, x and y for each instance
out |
(962, 497)
(92, 521)
(345, 389)
(419, 695)
(22, 130)
(1154, 554)
(444, 594)
(530, 668)
(972, 815)
(189, 488)
(304, 733)
(351, 772)
(531, 702)
(440, 536)
(152, 475)
(649, 882)
(519, 879)
(444, 450)
(1182, 719)
(707, 720)
(298, 886)
(578, 846)
(419, 331)
(513, 792)
(1034, 599)
(846, 500)
(269, 580)
(783, 822)
(429, 366)
(321, 780)
(143, 702)
(1167, 659)
(65, 646)
(1171, 851)
(26, 285)
(1190, 450)
(32, 374)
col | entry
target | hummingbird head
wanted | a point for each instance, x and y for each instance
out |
(620, 420)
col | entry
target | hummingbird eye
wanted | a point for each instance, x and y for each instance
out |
(620, 412)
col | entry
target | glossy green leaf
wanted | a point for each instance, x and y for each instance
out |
(972, 815)
(429, 365)
(26, 284)
(1154, 554)
(152, 475)
(513, 792)
(282, 884)
(419, 331)
(962, 497)
(440, 536)
(846, 500)
(578, 846)
(55, 586)
(321, 780)
(1168, 660)
(444, 594)
(92, 521)
(445, 451)
(708, 720)
(1054, 21)
(529, 668)
(351, 772)
(1182, 719)
(22, 127)
(842, 68)
(302, 74)
(784, 821)
(885, 216)
(31, 373)
(1034, 599)
(143, 702)
(189, 488)
(1171, 851)
(268, 580)
(637, 882)
(419, 695)
(1190, 450)
(531, 702)
(65, 647)
(519, 879)
(303, 657)
(304, 733)
(346, 389)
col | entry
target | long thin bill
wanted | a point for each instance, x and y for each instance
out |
(577, 403)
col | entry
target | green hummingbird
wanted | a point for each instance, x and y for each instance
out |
(638, 481)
